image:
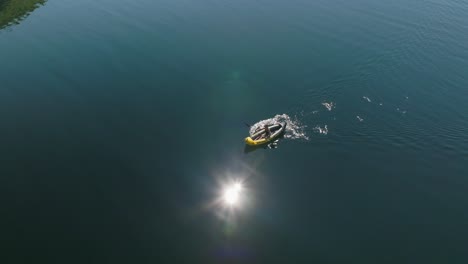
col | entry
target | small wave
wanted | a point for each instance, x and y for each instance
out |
(401, 111)
(294, 128)
(329, 106)
(367, 98)
(321, 130)
(359, 118)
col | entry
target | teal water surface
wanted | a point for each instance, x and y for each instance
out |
(122, 120)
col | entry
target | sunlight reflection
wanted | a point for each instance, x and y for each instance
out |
(232, 194)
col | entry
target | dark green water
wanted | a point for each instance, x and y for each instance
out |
(119, 120)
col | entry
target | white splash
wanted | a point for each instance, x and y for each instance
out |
(314, 112)
(329, 106)
(401, 111)
(381, 104)
(321, 130)
(294, 128)
(367, 98)
(359, 118)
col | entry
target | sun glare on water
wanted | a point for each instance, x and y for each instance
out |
(232, 193)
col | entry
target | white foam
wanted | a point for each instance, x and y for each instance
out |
(367, 98)
(294, 128)
(329, 106)
(359, 118)
(321, 130)
(401, 111)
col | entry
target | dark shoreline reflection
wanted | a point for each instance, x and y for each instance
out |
(12, 12)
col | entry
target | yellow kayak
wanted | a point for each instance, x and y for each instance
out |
(260, 136)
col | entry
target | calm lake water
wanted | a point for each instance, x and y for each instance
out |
(121, 121)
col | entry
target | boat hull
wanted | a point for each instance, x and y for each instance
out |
(258, 139)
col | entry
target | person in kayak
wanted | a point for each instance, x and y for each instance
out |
(267, 131)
